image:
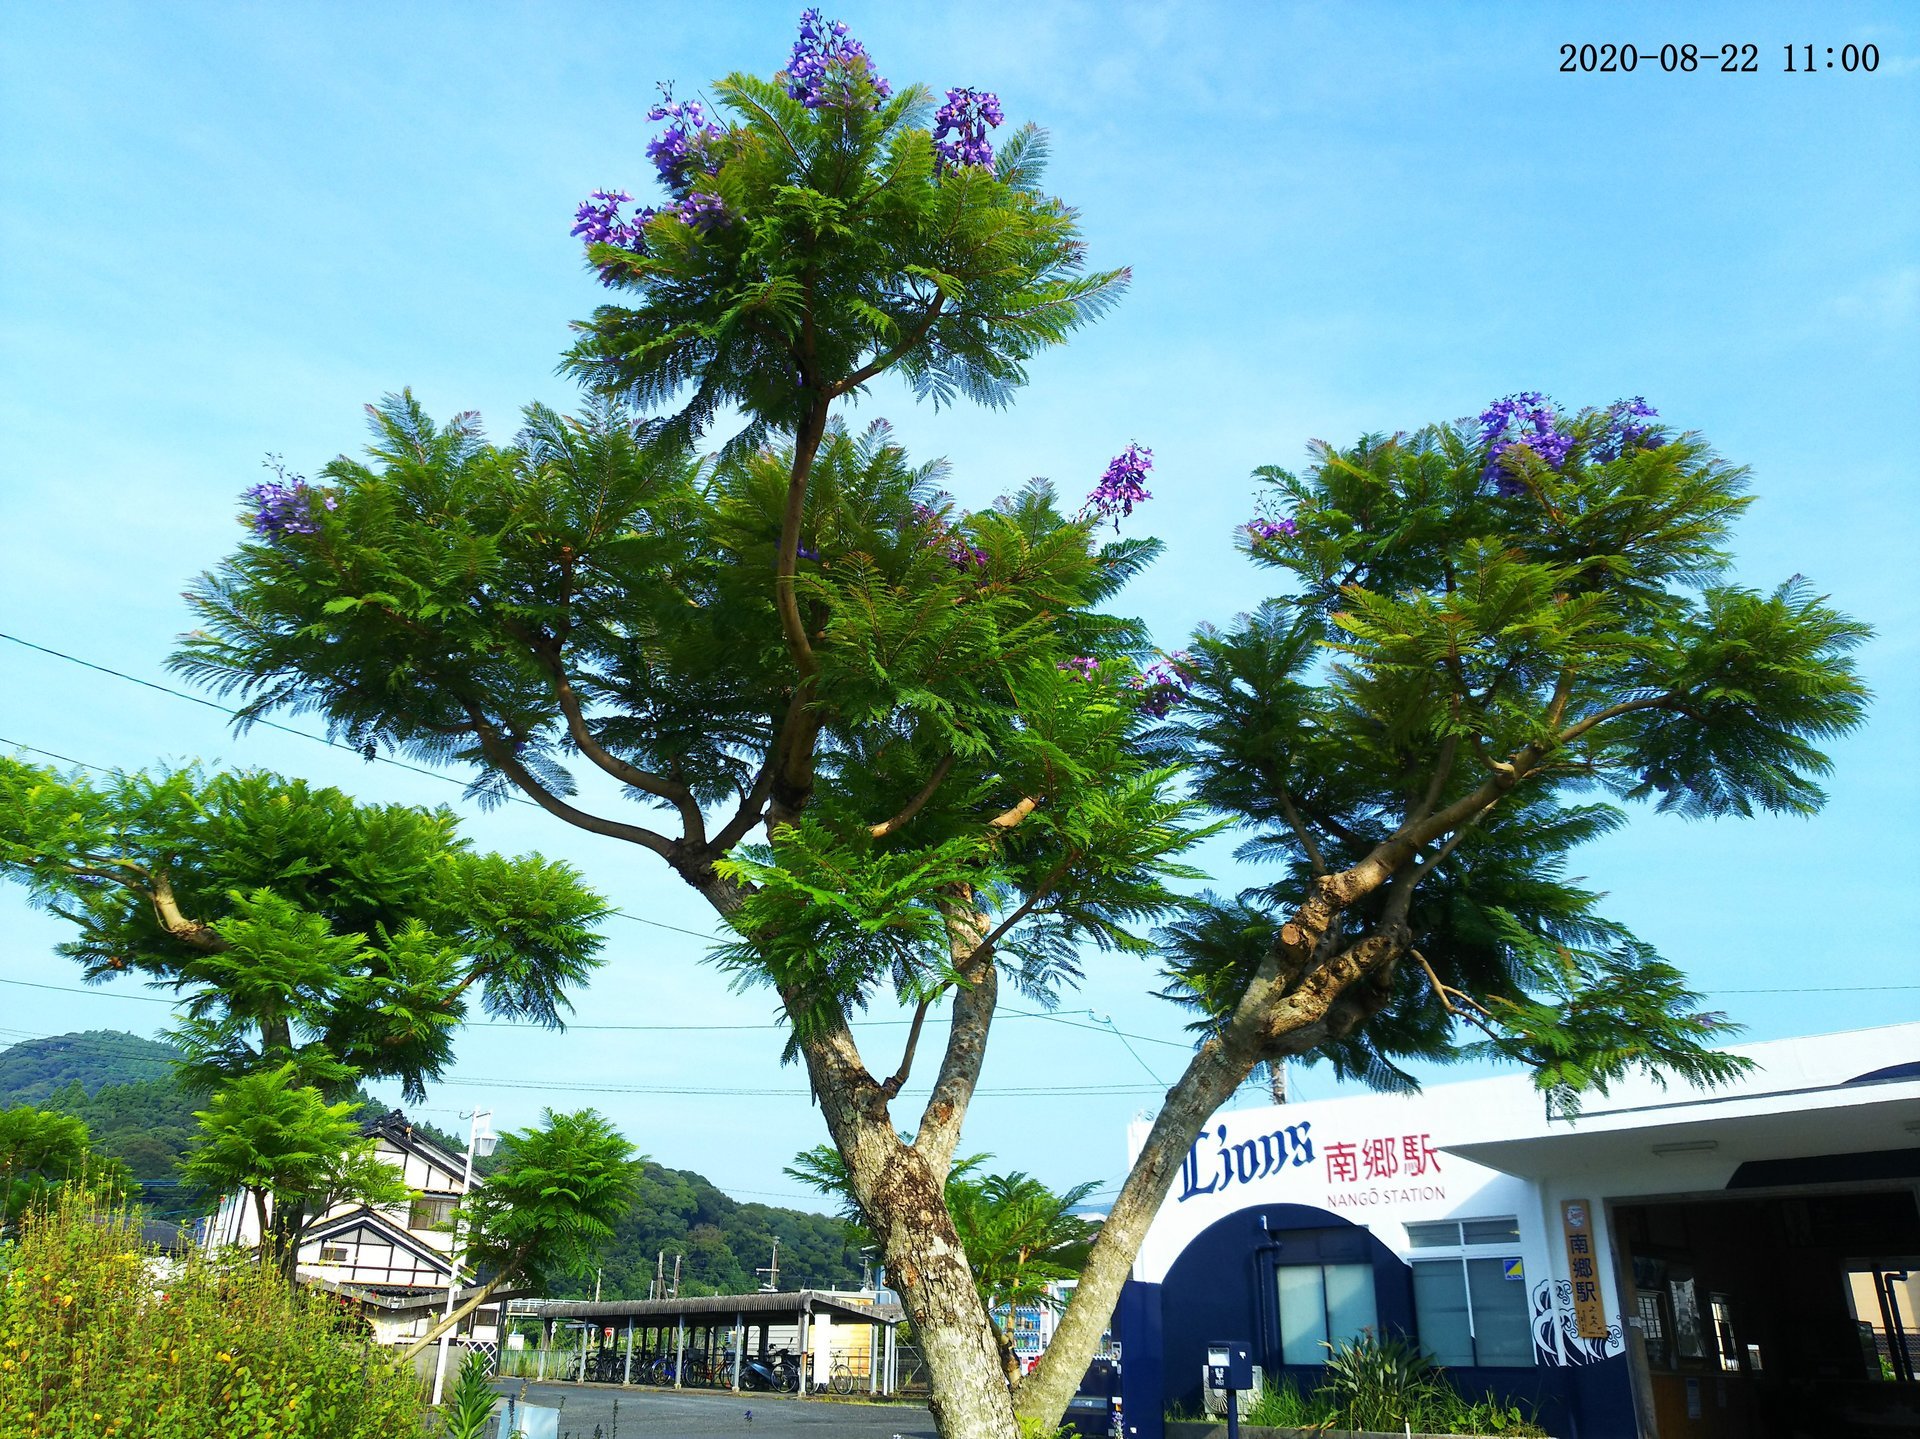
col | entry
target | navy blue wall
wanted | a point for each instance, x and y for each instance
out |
(1222, 1287)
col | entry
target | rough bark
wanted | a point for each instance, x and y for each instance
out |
(904, 1199)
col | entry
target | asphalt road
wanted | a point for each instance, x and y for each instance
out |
(663, 1414)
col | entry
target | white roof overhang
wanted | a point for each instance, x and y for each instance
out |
(1637, 1148)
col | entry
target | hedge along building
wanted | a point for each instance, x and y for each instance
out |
(1675, 1263)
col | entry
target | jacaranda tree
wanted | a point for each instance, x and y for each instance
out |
(1485, 632)
(904, 750)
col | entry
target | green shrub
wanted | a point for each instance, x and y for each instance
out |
(101, 1338)
(1380, 1383)
(469, 1409)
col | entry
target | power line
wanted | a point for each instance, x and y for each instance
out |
(565, 1086)
(284, 729)
(769, 1026)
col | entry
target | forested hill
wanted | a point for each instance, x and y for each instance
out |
(122, 1086)
(721, 1241)
(35, 1068)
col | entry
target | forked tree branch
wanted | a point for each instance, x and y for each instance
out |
(893, 356)
(917, 803)
(503, 758)
(787, 559)
(675, 793)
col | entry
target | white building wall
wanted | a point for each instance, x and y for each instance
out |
(1387, 1161)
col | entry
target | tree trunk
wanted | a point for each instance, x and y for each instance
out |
(1210, 1079)
(447, 1321)
(1297, 1000)
(905, 1202)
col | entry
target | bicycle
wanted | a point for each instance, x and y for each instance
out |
(691, 1371)
(841, 1379)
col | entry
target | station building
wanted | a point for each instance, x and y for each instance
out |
(1667, 1262)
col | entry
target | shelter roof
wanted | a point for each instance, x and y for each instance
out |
(762, 1306)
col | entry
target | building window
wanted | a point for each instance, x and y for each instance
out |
(431, 1214)
(1322, 1305)
(1649, 1307)
(1471, 1306)
(333, 1254)
(1723, 1341)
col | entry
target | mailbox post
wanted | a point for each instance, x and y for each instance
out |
(1230, 1367)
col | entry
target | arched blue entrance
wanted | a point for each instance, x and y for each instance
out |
(1224, 1286)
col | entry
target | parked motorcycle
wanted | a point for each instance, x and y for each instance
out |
(779, 1372)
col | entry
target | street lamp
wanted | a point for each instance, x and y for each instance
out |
(480, 1142)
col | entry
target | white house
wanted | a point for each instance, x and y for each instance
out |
(395, 1260)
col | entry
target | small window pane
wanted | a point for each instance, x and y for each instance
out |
(1303, 1314)
(1350, 1306)
(1433, 1236)
(1502, 1332)
(1440, 1311)
(1492, 1231)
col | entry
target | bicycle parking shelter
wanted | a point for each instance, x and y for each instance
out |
(710, 1340)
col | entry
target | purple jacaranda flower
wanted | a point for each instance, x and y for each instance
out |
(702, 210)
(1528, 420)
(687, 145)
(828, 66)
(963, 556)
(1260, 529)
(807, 552)
(598, 221)
(1621, 431)
(1164, 683)
(966, 117)
(1122, 486)
(599, 215)
(1081, 667)
(285, 507)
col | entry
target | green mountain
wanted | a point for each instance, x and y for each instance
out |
(720, 1240)
(123, 1087)
(35, 1068)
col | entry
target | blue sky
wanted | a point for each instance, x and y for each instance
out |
(225, 228)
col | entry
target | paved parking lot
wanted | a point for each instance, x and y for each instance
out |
(664, 1414)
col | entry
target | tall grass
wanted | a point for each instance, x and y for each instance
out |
(102, 1339)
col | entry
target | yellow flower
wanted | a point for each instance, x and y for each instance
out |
(224, 1357)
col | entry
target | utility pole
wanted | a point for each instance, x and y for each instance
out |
(772, 1271)
(676, 1276)
(480, 1142)
(659, 1288)
(596, 1283)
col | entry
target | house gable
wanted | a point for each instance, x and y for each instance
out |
(366, 1248)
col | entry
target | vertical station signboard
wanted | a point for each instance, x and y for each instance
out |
(1583, 1268)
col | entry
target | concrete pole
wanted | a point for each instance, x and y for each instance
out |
(679, 1349)
(739, 1344)
(626, 1374)
(583, 1355)
(806, 1351)
(873, 1359)
(546, 1343)
(453, 1256)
